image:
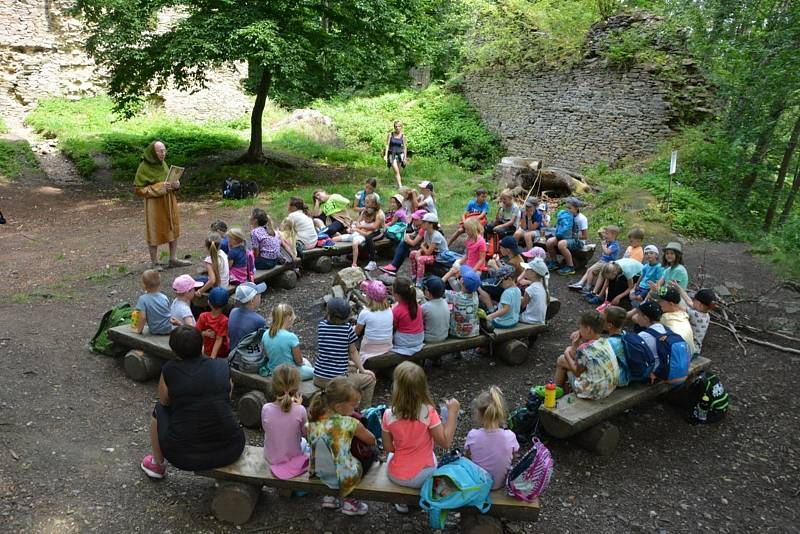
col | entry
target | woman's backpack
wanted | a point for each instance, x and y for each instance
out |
(639, 360)
(459, 484)
(564, 222)
(249, 354)
(531, 476)
(673, 356)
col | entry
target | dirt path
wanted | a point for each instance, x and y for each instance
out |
(73, 427)
(56, 166)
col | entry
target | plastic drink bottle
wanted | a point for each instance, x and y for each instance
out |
(550, 395)
(136, 319)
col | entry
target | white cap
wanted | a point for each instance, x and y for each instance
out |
(247, 291)
(425, 185)
(651, 248)
(431, 218)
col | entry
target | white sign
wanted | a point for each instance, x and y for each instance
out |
(673, 162)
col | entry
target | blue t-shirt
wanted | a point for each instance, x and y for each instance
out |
(239, 257)
(513, 297)
(613, 248)
(223, 246)
(333, 349)
(279, 349)
(650, 273)
(474, 207)
(241, 323)
(157, 312)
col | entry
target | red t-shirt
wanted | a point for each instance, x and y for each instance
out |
(219, 325)
(403, 322)
(413, 442)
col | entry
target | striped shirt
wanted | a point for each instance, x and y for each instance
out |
(333, 349)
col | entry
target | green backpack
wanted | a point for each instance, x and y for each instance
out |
(116, 316)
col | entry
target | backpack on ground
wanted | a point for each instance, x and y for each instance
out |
(564, 223)
(673, 357)
(455, 485)
(709, 399)
(236, 190)
(639, 360)
(116, 316)
(249, 354)
(524, 421)
(530, 477)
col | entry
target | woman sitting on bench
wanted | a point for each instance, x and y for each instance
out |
(193, 424)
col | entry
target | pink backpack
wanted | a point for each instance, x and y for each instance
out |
(531, 476)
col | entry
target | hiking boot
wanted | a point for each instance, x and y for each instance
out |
(179, 263)
(577, 286)
(389, 269)
(371, 266)
(566, 270)
(152, 469)
(354, 507)
(329, 502)
(552, 265)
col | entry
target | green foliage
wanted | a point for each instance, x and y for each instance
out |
(3, 127)
(15, 157)
(437, 123)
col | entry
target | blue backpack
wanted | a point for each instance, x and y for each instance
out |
(639, 360)
(673, 357)
(373, 417)
(564, 223)
(455, 485)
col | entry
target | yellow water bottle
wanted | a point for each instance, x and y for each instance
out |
(550, 395)
(136, 319)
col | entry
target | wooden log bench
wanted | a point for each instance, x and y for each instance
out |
(505, 343)
(240, 486)
(149, 352)
(319, 259)
(585, 421)
(580, 258)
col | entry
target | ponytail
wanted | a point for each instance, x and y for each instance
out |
(408, 294)
(298, 204)
(281, 314)
(212, 244)
(546, 287)
(338, 390)
(285, 383)
(490, 408)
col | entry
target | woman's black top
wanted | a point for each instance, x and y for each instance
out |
(396, 144)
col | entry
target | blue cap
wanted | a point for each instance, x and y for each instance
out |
(510, 242)
(504, 271)
(470, 279)
(435, 285)
(218, 297)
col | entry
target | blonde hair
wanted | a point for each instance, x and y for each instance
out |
(285, 383)
(409, 391)
(543, 280)
(212, 245)
(281, 314)
(473, 227)
(378, 305)
(490, 408)
(507, 193)
(237, 236)
(610, 270)
(338, 390)
(151, 279)
(372, 199)
(288, 231)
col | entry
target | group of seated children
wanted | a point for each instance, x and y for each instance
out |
(331, 442)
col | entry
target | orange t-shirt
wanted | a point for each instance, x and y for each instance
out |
(636, 253)
(413, 442)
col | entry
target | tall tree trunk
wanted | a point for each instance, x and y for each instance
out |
(762, 147)
(784, 168)
(255, 152)
(787, 207)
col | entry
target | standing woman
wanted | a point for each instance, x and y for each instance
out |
(396, 152)
(162, 220)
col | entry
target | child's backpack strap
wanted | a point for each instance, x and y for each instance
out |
(324, 464)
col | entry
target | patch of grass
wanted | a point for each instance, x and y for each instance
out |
(15, 157)
(61, 257)
(20, 298)
(3, 127)
(100, 276)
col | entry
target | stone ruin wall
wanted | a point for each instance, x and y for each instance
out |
(41, 55)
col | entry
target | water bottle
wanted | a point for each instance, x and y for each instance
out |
(701, 411)
(443, 412)
(550, 395)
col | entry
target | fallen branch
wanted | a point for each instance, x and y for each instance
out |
(733, 331)
(749, 339)
(767, 332)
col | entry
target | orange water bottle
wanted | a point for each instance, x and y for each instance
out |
(136, 319)
(550, 395)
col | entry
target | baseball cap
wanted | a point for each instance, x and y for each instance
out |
(707, 297)
(374, 290)
(510, 242)
(674, 245)
(470, 279)
(419, 214)
(247, 291)
(435, 285)
(543, 206)
(531, 202)
(670, 294)
(651, 310)
(651, 248)
(218, 297)
(504, 271)
(574, 201)
(538, 266)
(185, 283)
(338, 308)
(425, 184)
(534, 252)
(430, 217)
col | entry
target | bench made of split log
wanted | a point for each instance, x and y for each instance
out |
(283, 276)
(580, 258)
(585, 420)
(505, 343)
(148, 353)
(240, 487)
(319, 259)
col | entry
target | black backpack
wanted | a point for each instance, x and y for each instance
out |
(236, 190)
(709, 400)
(524, 421)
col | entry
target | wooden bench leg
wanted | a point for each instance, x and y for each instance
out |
(476, 523)
(601, 439)
(513, 352)
(249, 408)
(234, 502)
(323, 264)
(287, 280)
(142, 367)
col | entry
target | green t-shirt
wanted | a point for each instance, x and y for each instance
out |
(677, 273)
(334, 204)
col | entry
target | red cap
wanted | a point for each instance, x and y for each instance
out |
(550, 385)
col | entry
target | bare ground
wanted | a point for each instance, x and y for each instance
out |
(73, 428)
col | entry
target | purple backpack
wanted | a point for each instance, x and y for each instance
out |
(531, 476)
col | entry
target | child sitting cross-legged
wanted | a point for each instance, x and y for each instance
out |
(284, 423)
(588, 364)
(507, 313)
(591, 278)
(282, 345)
(153, 305)
(464, 320)
(492, 446)
(411, 426)
(331, 427)
(435, 312)
(181, 309)
(474, 251)
(213, 325)
(537, 294)
(375, 321)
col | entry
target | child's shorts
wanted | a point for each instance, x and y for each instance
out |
(352, 238)
(597, 267)
(575, 244)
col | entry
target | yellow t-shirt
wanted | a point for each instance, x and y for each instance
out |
(678, 322)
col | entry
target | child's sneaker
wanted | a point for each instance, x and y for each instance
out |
(371, 266)
(389, 269)
(354, 507)
(577, 286)
(552, 265)
(152, 469)
(567, 270)
(594, 300)
(401, 508)
(329, 502)
(587, 290)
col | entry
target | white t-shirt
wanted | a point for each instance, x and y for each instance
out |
(224, 272)
(428, 204)
(377, 324)
(304, 226)
(536, 310)
(581, 223)
(181, 309)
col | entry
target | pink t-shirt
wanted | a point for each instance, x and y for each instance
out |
(475, 251)
(282, 434)
(492, 450)
(403, 322)
(413, 442)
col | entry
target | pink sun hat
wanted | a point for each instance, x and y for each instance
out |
(185, 283)
(535, 252)
(374, 290)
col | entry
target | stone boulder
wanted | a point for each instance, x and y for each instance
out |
(528, 173)
(349, 278)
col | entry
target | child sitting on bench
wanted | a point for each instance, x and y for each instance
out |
(507, 313)
(409, 326)
(474, 251)
(181, 310)
(588, 364)
(537, 293)
(331, 426)
(435, 312)
(651, 272)
(282, 345)
(615, 320)
(477, 209)
(153, 305)
(492, 446)
(213, 325)
(698, 308)
(464, 321)
(284, 423)
(241, 262)
(591, 277)
(433, 249)
(375, 321)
